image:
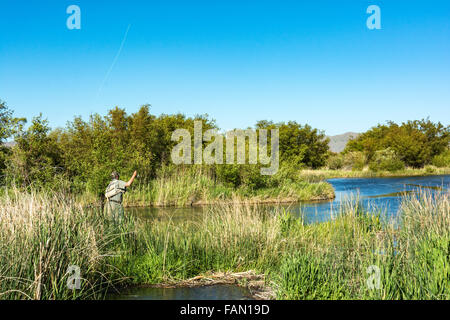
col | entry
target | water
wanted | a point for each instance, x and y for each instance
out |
(377, 194)
(214, 292)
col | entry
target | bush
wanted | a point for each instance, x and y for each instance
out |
(386, 160)
(442, 160)
(354, 160)
(252, 178)
(229, 174)
(335, 162)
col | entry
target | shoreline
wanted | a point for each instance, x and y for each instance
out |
(323, 174)
(410, 172)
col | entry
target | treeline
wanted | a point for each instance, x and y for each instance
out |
(392, 147)
(81, 156)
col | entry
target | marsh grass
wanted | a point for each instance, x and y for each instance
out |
(306, 261)
(42, 234)
(195, 186)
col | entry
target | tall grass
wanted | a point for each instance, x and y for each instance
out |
(320, 261)
(41, 235)
(194, 186)
(234, 237)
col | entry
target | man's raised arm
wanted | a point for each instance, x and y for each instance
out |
(131, 179)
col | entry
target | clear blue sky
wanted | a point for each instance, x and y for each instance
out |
(239, 61)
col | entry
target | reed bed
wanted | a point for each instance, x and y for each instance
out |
(194, 187)
(328, 260)
(42, 234)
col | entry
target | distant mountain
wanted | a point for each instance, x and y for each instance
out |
(338, 143)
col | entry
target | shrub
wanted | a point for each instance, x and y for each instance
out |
(386, 160)
(335, 162)
(252, 178)
(354, 160)
(442, 160)
(229, 174)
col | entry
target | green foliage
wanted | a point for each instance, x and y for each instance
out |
(9, 125)
(354, 160)
(415, 143)
(335, 162)
(42, 234)
(230, 174)
(299, 144)
(36, 158)
(304, 275)
(386, 160)
(442, 160)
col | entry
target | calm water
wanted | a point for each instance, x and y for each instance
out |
(377, 194)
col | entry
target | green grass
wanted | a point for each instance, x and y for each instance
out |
(195, 186)
(41, 235)
(319, 261)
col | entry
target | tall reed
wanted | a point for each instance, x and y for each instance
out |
(41, 235)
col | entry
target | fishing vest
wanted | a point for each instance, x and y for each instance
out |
(113, 189)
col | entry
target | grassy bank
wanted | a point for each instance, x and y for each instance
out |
(41, 235)
(196, 186)
(322, 174)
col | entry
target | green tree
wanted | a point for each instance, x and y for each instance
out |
(302, 145)
(36, 157)
(415, 143)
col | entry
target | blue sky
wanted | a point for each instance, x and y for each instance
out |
(313, 62)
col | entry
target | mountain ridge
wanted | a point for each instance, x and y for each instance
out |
(338, 142)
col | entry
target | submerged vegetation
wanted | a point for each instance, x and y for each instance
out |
(42, 234)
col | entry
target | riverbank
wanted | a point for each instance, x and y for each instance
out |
(323, 174)
(41, 235)
(195, 187)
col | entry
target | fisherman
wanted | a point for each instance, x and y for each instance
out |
(114, 196)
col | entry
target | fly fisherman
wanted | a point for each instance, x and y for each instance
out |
(114, 196)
